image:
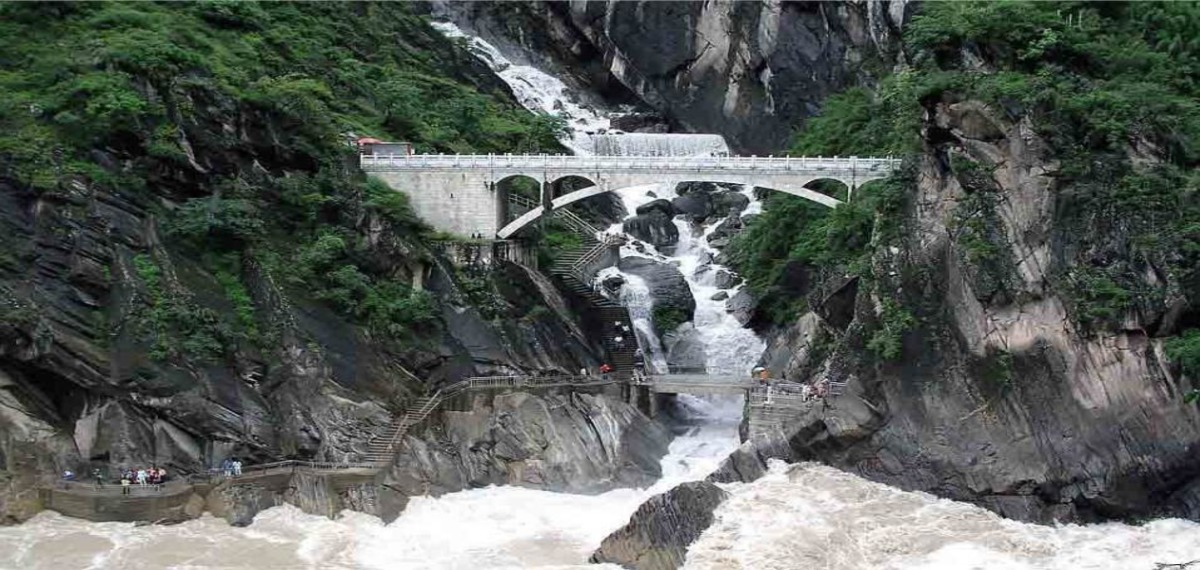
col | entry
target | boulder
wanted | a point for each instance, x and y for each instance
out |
(742, 305)
(724, 232)
(613, 282)
(720, 296)
(725, 279)
(653, 227)
(659, 205)
(729, 202)
(668, 288)
(695, 205)
(684, 348)
(659, 533)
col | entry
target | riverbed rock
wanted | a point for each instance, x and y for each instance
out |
(660, 531)
(654, 227)
(720, 296)
(741, 305)
(685, 349)
(668, 288)
(659, 205)
(724, 279)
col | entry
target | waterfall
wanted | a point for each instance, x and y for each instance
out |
(641, 144)
(538, 91)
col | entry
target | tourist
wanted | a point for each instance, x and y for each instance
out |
(141, 477)
(605, 369)
(237, 467)
(99, 477)
(227, 467)
(125, 482)
(806, 392)
(154, 478)
(162, 475)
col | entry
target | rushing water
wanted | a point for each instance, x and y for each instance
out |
(495, 527)
(729, 347)
(641, 144)
(813, 516)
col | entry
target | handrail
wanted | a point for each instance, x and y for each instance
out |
(576, 222)
(671, 163)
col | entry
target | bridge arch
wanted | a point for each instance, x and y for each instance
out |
(802, 190)
(569, 183)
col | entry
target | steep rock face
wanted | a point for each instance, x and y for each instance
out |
(570, 442)
(82, 388)
(658, 534)
(750, 71)
(997, 397)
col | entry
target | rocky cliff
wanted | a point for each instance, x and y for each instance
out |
(191, 268)
(751, 71)
(1002, 398)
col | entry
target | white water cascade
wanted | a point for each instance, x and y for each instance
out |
(642, 144)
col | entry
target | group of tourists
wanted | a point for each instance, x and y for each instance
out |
(231, 467)
(142, 477)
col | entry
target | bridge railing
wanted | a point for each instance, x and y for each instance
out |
(669, 163)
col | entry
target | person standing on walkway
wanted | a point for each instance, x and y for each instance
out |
(99, 477)
(227, 467)
(237, 467)
(141, 476)
(605, 369)
(125, 483)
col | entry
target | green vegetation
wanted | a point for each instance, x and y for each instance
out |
(1185, 351)
(1113, 88)
(794, 234)
(894, 321)
(177, 327)
(668, 318)
(239, 112)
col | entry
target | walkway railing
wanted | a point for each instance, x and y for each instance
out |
(378, 162)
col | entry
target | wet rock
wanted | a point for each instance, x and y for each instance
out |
(640, 123)
(729, 202)
(742, 305)
(685, 350)
(725, 279)
(613, 283)
(720, 236)
(565, 442)
(695, 204)
(660, 531)
(659, 205)
(668, 288)
(653, 227)
(720, 296)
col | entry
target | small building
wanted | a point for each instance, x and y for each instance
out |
(368, 145)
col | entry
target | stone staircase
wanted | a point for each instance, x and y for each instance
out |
(382, 449)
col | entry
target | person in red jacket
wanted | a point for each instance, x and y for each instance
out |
(605, 369)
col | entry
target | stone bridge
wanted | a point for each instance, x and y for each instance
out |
(460, 194)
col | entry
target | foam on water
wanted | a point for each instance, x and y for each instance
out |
(814, 516)
(729, 347)
(537, 90)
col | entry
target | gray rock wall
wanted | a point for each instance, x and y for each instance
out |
(751, 71)
(568, 441)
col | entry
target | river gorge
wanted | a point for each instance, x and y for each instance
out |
(1007, 333)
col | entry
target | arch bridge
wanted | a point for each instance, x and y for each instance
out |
(459, 193)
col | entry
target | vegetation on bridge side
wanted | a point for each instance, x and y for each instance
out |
(228, 120)
(1112, 88)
